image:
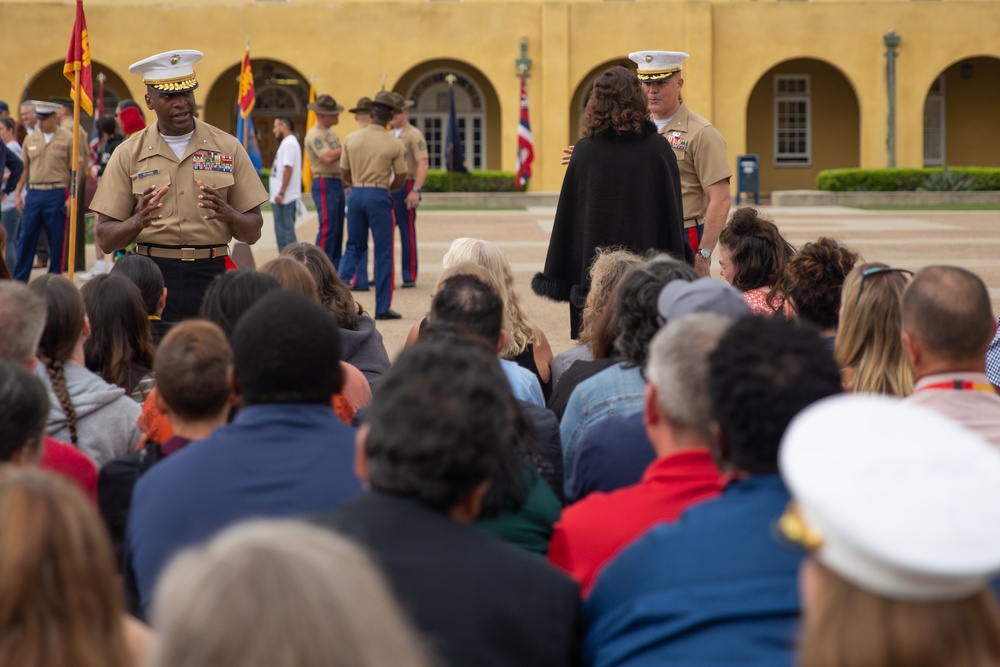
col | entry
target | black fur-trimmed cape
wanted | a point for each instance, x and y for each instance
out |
(619, 190)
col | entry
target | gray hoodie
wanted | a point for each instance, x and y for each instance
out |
(105, 416)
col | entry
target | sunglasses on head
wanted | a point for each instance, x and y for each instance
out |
(874, 271)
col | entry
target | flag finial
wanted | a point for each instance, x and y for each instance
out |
(524, 62)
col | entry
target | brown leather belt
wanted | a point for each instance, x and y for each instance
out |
(383, 186)
(185, 254)
(47, 186)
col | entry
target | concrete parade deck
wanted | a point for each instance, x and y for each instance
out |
(907, 239)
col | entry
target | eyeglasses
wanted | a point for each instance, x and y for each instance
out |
(874, 271)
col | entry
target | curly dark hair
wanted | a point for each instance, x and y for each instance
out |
(815, 278)
(442, 421)
(634, 311)
(757, 249)
(763, 373)
(616, 104)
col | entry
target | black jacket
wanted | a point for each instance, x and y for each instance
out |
(619, 190)
(476, 600)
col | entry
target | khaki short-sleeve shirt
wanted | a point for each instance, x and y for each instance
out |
(372, 155)
(416, 147)
(48, 163)
(701, 159)
(318, 140)
(145, 159)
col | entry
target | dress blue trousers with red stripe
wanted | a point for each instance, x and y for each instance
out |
(370, 209)
(328, 194)
(406, 220)
(42, 208)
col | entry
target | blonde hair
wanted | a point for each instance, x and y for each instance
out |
(277, 593)
(606, 270)
(869, 340)
(851, 626)
(60, 601)
(517, 324)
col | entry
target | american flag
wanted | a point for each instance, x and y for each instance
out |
(525, 144)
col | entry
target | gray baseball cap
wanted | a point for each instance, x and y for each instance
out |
(705, 295)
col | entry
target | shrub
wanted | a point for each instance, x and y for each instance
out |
(474, 181)
(908, 180)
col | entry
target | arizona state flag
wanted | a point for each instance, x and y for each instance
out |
(78, 60)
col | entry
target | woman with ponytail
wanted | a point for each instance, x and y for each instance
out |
(96, 417)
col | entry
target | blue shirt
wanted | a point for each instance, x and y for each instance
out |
(613, 453)
(618, 390)
(523, 383)
(277, 460)
(714, 589)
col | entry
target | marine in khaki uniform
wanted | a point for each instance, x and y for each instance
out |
(65, 117)
(47, 156)
(183, 196)
(363, 112)
(373, 162)
(323, 151)
(698, 146)
(408, 197)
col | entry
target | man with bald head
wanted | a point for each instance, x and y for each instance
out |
(947, 326)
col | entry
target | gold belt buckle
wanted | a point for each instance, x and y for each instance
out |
(187, 254)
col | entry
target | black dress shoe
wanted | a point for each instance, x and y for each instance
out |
(388, 315)
(409, 284)
(360, 289)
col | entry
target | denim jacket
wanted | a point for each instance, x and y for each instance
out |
(614, 391)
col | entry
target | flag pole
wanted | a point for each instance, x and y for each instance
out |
(74, 203)
(451, 144)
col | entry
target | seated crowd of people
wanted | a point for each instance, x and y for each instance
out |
(796, 464)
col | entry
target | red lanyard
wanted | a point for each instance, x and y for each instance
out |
(960, 385)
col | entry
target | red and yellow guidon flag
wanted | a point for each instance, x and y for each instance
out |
(78, 60)
(247, 93)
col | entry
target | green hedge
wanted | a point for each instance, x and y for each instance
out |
(474, 181)
(908, 180)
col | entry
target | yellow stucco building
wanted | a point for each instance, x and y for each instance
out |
(803, 84)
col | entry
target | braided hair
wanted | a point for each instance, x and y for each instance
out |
(63, 327)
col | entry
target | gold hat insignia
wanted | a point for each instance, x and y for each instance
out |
(175, 59)
(649, 59)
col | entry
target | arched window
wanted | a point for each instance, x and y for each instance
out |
(430, 115)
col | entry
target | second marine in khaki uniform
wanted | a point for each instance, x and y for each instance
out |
(323, 150)
(408, 197)
(373, 162)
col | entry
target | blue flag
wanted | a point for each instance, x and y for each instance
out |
(249, 141)
(454, 153)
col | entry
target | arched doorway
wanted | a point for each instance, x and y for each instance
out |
(582, 94)
(477, 111)
(281, 91)
(802, 117)
(960, 103)
(50, 82)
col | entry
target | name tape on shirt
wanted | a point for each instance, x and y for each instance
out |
(212, 162)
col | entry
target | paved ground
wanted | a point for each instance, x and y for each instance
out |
(907, 239)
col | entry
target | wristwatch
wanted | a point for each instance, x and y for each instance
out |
(419, 192)
(705, 253)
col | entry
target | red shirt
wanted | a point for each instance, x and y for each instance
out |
(70, 462)
(593, 531)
